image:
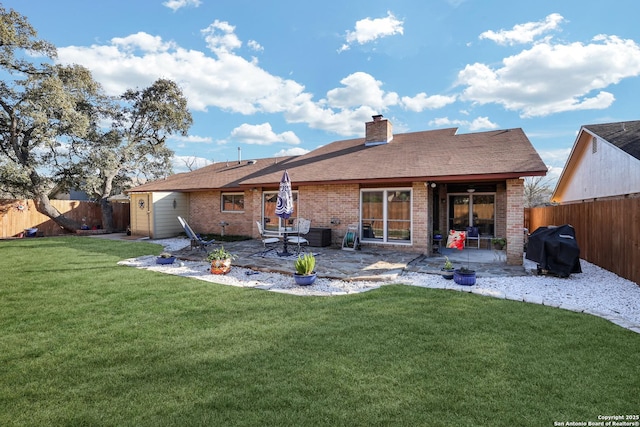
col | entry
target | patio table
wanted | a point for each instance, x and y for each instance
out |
(286, 231)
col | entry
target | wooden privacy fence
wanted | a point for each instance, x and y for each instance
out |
(607, 231)
(18, 215)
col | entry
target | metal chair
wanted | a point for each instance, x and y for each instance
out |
(269, 243)
(473, 234)
(303, 229)
(196, 240)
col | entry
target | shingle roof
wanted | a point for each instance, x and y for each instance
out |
(624, 135)
(436, 155)
(227, 175)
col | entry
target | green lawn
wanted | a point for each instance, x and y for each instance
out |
(87, 342)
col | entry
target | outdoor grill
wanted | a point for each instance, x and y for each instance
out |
(555, 249)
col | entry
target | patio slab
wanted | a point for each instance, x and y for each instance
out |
(369, 263)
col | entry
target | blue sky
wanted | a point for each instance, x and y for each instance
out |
(287, 76)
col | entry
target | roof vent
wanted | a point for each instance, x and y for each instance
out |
(377, 132)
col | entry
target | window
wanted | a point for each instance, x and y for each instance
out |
(386, 215)
(271, 221)
(232, 202)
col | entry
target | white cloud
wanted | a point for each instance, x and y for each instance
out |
(262, 134)
(254, 45)
(141, 42)
(227, 81)
(220, 37)
(368, 30)
(524, 33)
(361, 89)
(178, 4)
(296, 151)
(479, 123)
(551, 78)
(192, 139)
(422, 102)
(557, 158)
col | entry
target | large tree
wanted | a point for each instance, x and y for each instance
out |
(135, 143)
(52, 126)
(38, 114)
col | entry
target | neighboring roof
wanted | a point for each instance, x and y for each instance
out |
(436, 155)
(624, 135)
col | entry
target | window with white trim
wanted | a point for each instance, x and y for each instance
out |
(386, 215)
(232, 202)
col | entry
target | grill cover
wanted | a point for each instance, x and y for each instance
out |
(555, 249)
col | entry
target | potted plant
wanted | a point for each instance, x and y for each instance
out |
(220, 260)
(165, 258)
(464, 276)
(447, 269)
(305, 269)
(499, 243)
(437, 235)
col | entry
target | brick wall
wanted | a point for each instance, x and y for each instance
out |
(205, 214)
(501, 211)
(515, 221)
(324, 203)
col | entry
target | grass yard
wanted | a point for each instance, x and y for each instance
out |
(87, 342)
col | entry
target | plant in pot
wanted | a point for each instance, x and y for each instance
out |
(165, 258)
(447, 269)
(305, 269)
(437, 235)
(464, 275)
(220, 260)
(499, 243)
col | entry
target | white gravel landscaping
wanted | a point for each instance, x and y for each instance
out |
(595, 291)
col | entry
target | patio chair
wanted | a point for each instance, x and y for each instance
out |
(473, 234)
(269, 242)
(303, 229)
(196, 240)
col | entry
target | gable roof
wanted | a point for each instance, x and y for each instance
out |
(602, 179)
(224, 175)
(436, 155)
(624, 135)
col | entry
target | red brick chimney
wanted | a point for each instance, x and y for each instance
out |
(379, 131)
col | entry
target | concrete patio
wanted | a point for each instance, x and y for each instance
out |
(369, 263)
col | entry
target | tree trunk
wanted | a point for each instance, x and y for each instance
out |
(43, 205)
(107, 214)
(105, 206)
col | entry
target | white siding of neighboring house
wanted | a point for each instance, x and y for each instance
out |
(609, 171)
(167, 206)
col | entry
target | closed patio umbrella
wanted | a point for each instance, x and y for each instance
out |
(284, 204)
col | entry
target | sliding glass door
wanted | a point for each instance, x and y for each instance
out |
(472, 210)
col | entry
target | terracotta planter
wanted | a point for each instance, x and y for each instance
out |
(220, 266)
(304, 279)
